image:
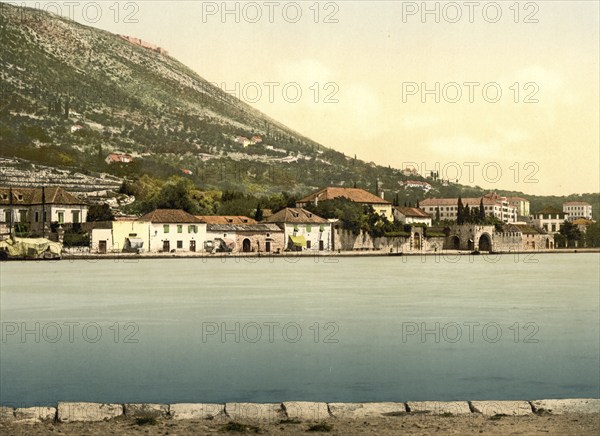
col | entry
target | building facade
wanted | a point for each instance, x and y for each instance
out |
(303, 230)
(411, 215)
(493, 204)
(549, 219)
(577, 209)
(41, 207)
(174, 230)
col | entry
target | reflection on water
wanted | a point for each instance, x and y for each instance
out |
(359, 329)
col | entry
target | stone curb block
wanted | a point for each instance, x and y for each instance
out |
(511, 408)
(365, 410)
(255, 411)
(197, 411)
(573, 405)
(35, 414)
(85, 412)
(306, 410)
(146, 409)
(439, 407)
(7, 414)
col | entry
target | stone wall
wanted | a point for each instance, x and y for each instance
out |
(297, 410)
(345, 240)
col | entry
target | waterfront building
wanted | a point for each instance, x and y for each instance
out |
(241, 234)
(550, 219)
(303, 230)
(39, 207)
(174, 230)
(522, 205)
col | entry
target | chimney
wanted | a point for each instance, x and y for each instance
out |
(382, 195)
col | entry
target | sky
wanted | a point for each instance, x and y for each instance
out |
(503, 95)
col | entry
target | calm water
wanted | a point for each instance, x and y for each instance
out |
(306, 330)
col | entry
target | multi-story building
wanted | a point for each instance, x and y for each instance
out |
(577, 209)
(303, 230)
(173, 230)
(493, 204)
(522, 206)
(40, 207)
(243, 234)
(549, 219)
(356, 195)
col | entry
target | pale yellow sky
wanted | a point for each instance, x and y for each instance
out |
(371, 61)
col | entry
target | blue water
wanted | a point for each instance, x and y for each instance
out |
(350, 329)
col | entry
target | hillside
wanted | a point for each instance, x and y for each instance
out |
(72, 94)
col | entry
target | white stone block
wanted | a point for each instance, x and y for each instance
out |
(35, 414)
(364, 410)
(74, 412)
(510, 408)
(572, 405)
(306, 410)
(255, 411)
(196, 411)
(440, 407)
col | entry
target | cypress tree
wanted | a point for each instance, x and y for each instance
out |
(481, 211)
(460, 219)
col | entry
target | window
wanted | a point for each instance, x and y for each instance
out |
(308, 244)
(295, 227)
(75, 216)
(166, 228)
(321, 228)
(179, 228)
(179, 244)
(308, 228)
(37, 217)
(61, 217)
(192, 229)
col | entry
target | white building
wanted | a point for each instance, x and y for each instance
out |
(38, 206)
(303, 230)
(577, 209)
(549, 219)
(417, 184)
(411, 215)
(521, 204)
(493, 205)
(174, 230)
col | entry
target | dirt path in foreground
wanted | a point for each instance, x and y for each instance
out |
(573, 424)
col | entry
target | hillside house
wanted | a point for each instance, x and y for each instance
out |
(412, 215)
(115, 158)
(356, 195)
(549, 219)
(577, 209)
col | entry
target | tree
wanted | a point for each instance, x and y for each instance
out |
(417, 206)
(437, 214)
(460, 218)
(481, 211)
(467, 214)
(258, 216)
(571, 233)
(100, 212)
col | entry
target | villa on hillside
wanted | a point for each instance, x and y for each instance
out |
(356, 195)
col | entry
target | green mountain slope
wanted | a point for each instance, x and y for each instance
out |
(71, 94)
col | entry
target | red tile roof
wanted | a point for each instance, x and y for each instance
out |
(413, 212)
(226, 219)
(295, 215)
(171, 216)
(356, 195)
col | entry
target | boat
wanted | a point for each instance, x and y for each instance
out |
(30, 248)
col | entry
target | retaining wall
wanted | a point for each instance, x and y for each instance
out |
(298, 410)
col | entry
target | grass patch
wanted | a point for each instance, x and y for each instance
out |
(498, 416)
(236, 427)
(322, 427)
(145, 420)
(290, 421)
(447, 414)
